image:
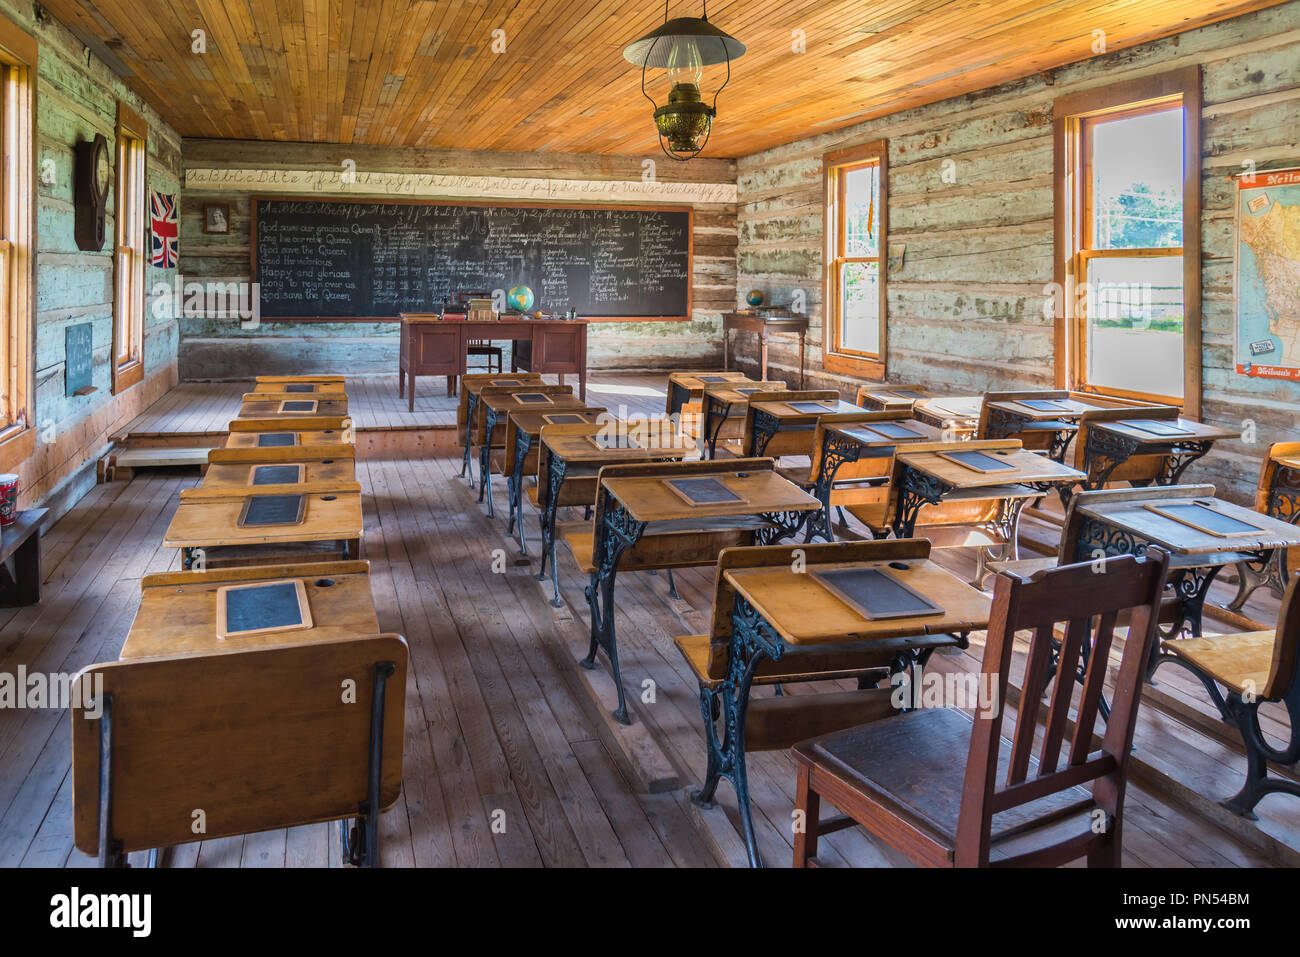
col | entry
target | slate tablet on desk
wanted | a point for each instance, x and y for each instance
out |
(1047, 405)
(810, 408)
(714, 378)
(259, 607)
(748, 391)
(272, 510)
(300, 387)
(977, 461)
(875, 593)
(563, 418)
(891, 430)
(1204, 518)
(703, 491)
(299, 406)
(276, 439)
(532, 398)
(1156, 427)
(275, 475)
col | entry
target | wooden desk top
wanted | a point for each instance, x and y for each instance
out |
(208, 517)
(178, 610)
(309, 439)
(1287, 461)
(532, 421)
(1066, 409)
(308, 388)
(507, 402)
(1179, 539)
(786, 412)
(472, 384)
(865, 435)
(889, 400)
(956, 408)
(653, 445)
(315, 470)
(1026, 467)
(727, 391)
(259, 405)
(1192, 431)
(696, 381)
(788, 323)
(649, 498)
(803, 611)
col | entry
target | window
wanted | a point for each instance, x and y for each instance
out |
(1128, 202)
(128, 261)
(17, 69)
(855, 218)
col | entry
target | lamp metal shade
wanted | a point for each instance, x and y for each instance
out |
(714, 45)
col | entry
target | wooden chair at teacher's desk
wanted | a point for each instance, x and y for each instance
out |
(1253, 668)
(480, 347)
(902, 779)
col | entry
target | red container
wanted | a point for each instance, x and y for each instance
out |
(8, 499)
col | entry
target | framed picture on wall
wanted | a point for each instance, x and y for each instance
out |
(216, 218)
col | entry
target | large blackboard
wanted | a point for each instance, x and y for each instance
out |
(373, 259)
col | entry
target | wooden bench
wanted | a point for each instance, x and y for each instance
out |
(946, 789)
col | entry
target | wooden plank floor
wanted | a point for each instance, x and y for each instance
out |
(374, 403)
(499, 728)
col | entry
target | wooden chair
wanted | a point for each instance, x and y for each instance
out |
(255, 739)
(1277, 495)
(791, 439)
(903, 778)
(1253, 668)
(481, 347)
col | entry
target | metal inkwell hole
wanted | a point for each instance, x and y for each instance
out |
(326, 461)
(742, 475)
(328, 498)
(328, 432)
(901, 566)
(324, 582)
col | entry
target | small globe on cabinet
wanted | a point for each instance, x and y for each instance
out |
(754, 297)
(520, 298)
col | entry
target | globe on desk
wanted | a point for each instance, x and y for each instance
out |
(520, 298)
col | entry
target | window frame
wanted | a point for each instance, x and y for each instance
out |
(128, 256)
(834, 165)
(18, 57)
(1074, 115)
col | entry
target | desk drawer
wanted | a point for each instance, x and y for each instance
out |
(433, 349)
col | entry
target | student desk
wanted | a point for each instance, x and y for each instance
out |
(519, 457)
(569, 453)
(21, 542)
(496, 408)
(260, 405)
(1007, 419)
(779, 612)
(178, 610)
(209, 520)
(958, 416)
(685, 387)
(896, 399)
(307, 389)
(270, 433)
(1109, 445)
(641, 509)
(467, 408)
(240, 468)
(720, 400)
(771, 418)
(1127, 527)
(927, 478)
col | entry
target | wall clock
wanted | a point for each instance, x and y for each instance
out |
(91, 195)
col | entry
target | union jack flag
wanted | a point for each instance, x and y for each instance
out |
(163, 229)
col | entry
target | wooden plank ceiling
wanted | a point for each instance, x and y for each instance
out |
(422, 72)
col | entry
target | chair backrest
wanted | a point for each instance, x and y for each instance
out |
(786, 442)
(1267, 499)
(1073, 595)
(1138, 468)
(1032, 438)
(773, 556)
(1072, 527)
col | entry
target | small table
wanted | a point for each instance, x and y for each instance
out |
(430, 345)
(773, 507)
(958, 416)
(898, 399)
(927, 478)
(1111, 444)
(566, 456)
(763, 327)
(523, 428)
(685, 386)
(1128, 527)
(207, 519)
(1007, 419)
(260, 405)
(496, 406)
(780, 611)
(771, 418)
(719, 401)
(21, 542)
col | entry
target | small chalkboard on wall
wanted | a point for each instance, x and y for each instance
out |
(78, 353)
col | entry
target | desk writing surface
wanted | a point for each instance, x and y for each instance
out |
(317, 388)
(1041, 410)
(474, 384)
(233, 475)
(509, 402)
(954, 407)
(889, 433)
(733, 393)
(532, 421)
(1026, 466)
(178, 610)
(1182, 539)
(211, 517)
(579, 450)
(649, 499)
(807, 408)
(253, 440)
(696, 382)
(270, 405)
(1190, 431)
(803, 611)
